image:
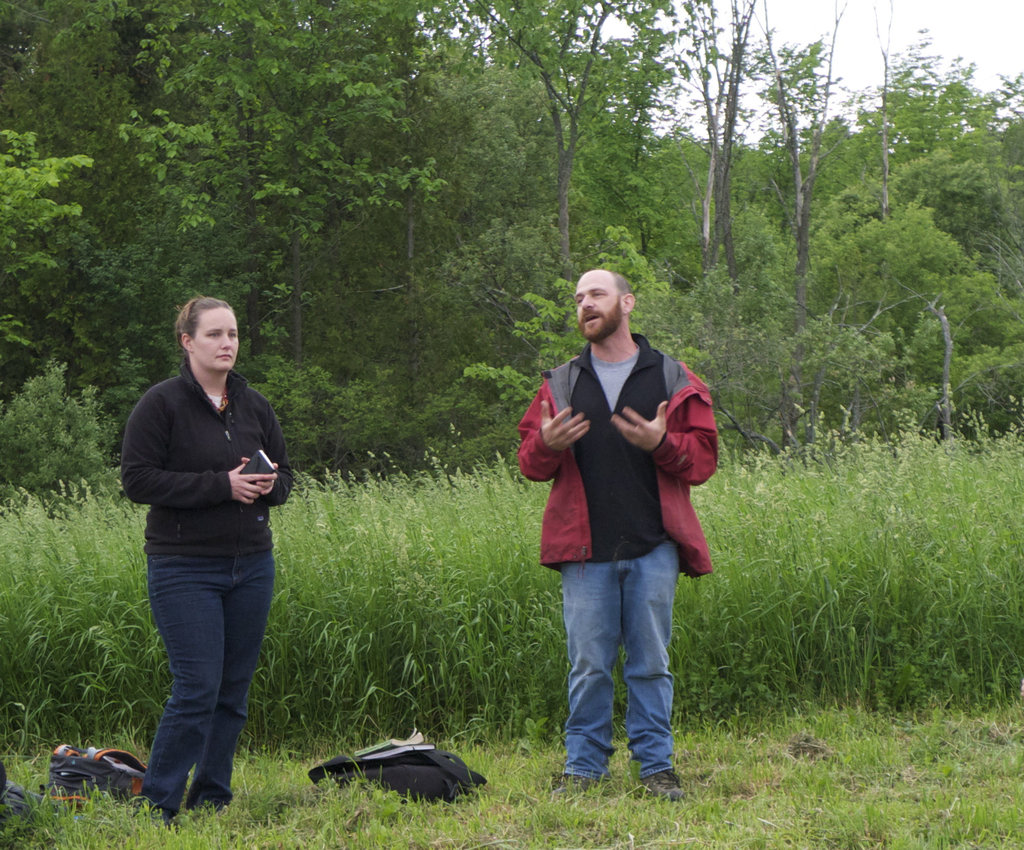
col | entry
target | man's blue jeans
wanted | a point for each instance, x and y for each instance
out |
(605, 605)
(211, 614)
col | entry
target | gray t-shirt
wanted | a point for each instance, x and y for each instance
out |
(613, 375)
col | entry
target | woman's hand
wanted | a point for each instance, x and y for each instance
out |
(248, 488)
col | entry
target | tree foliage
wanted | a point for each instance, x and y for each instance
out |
(52, 437)
(27, 214)
(396, 199)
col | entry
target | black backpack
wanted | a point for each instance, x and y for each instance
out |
(75, 773)
(419, 771)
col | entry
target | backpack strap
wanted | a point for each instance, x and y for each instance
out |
(453, 766)
(340, 766)
(126, 758)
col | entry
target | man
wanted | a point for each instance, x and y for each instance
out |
(623, 431)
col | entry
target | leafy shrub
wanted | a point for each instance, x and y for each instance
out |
(50, 437)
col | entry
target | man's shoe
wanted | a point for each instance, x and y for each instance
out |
(663, 784)
(571, 783)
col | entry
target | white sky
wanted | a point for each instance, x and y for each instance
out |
(987, 33)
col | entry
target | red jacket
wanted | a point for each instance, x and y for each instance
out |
(687, 456)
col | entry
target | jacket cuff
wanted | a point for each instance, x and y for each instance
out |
(667, 452)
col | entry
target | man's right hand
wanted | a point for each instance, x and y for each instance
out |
(561, 430)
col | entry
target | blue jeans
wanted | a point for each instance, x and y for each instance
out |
(606, 605)
(211, 614)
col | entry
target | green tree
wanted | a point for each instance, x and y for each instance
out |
(966, 198)
(800, 86)
(719, 75)
(52, 436)
(27, 214)
(902, 277)
(73, 72)
(572, 49)
(273, 141)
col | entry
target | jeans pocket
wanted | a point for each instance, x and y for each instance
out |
(165, 561)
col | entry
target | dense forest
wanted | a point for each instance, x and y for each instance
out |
(397, 196)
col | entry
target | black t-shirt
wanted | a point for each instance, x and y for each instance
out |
(619, 479)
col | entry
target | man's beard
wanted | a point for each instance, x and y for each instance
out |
(604, 327)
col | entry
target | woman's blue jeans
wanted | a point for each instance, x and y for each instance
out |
(211, 614)
(606, 605)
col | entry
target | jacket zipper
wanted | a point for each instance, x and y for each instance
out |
(226, 419)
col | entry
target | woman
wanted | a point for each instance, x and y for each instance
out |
(208, 547)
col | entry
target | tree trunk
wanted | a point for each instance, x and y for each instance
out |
(803, 191)
(721, 111)
(885, 118)
(252, 225)
(413, 342)
(945, 405)
(565, 157)
(741, 20)
(297, 298)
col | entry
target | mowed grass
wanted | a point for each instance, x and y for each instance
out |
(826, 778)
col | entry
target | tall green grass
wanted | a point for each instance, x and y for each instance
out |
(889, 578)
(883, 577)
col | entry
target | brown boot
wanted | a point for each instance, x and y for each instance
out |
(571, 783)
(663, 784)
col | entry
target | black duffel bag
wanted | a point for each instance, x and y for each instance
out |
(417, 771)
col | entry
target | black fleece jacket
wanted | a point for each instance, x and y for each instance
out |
(176, 455)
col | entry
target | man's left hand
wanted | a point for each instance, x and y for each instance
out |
(646, 434)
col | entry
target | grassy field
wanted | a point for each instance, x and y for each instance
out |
(887, 579)
(823, 779)
(891, 578)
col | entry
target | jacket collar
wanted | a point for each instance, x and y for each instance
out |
(236, 382)
(647, 355)
(562, 380)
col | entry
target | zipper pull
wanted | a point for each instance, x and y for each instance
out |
(227, 434)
